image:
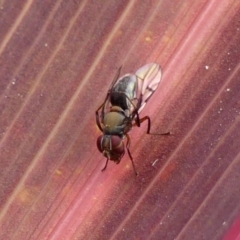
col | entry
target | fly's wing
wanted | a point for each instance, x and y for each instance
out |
(107, 104)
(124, 93)
(148, 78)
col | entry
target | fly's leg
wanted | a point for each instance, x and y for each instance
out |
(102, 106)
(98, 121)
(138, 122)
(128, 145)
(116, 77)
(105, 165)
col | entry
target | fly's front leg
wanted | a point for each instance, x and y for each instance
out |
(127, 146)
(102, 106)
(105, 165)
(98, 121)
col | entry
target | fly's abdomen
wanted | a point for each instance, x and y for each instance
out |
(124, 92)
(119, 99)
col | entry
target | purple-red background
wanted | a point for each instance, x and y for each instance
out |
(57, 61)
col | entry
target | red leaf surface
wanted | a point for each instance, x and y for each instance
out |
(57, 61)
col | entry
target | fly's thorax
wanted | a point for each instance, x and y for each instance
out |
(113, 122)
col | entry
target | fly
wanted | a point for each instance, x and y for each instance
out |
(120, 110)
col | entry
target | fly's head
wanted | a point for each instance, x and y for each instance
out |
(111, 146)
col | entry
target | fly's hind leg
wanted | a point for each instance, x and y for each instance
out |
(138, 122)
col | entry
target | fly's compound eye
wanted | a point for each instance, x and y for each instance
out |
(99, 143)
(113, 145)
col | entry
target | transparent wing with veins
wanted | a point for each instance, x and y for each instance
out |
(148, 77)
